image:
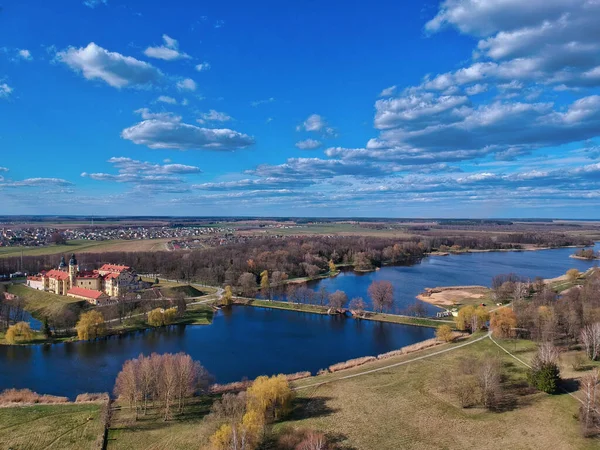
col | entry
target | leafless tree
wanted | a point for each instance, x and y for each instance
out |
(488, 376)
(338, 300)
(382, 295)
(358, 305)
(247, 282)
(589, 416)
(590, 338)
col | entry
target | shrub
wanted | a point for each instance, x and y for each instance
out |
(92, 397)
(351, 363)
(545, 377)
(444, 333)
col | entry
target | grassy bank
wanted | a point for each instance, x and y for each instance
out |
(407, 406)
(407, 320)
(281, 305)
(65, 427)
(41, 303)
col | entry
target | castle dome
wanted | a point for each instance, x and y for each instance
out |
(73, 261)
(62, 264)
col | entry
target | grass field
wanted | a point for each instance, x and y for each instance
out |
(87, 247)
(40, 303)
(65, 427)
(406, 407)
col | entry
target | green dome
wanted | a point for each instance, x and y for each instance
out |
(73, 261)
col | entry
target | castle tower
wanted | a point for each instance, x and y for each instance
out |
(73, 269)
(63, 264)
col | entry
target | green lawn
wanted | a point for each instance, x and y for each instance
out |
(41, 303)
(65, 427)
(70, 247)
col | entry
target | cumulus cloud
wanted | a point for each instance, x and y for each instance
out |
(186, 84)
(144, 173)
(203, 67)
(314, 123)
(168, 131)
(169, 51)
(214, 116)
(308, 144)
(388, 91)
(117, 70)
(5, 90)
(252, 184)
(25, 54)
(166, 99)
(36, 182)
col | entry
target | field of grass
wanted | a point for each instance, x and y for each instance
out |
(186, 290)
(282, 305)
(408, 406)
(87, 247)
(40, 303)
(407, 320)
(65, 427)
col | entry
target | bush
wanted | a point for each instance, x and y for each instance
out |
(545, 377)
(444, 333)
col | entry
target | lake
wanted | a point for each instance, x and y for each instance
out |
(247, 341)
(455, 270)
(241, 342)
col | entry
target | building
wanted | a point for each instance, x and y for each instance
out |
(95, 286)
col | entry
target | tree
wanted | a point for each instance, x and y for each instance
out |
(57, 238)
(358, 306)
(227, 297)
(270, 396)
(159, 317)
(46, 328)
(382, 295)
(20, 330)
(502, 322)
(91, 325)
(265, 286)
(322, 295)
(590, 338)
(589, 415)
(444, 333)
(545, 373)
(247, 282)
(464, 318)
(338, 300)
(362, 262)
(488, 376)
(572, 275)
(278, 280)
(332, 268)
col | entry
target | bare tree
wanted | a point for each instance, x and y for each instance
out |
(357, 305)
(590, 338)
(590, 418)
(488, 377)
(247, 282)
(338, 300)
(382, 295)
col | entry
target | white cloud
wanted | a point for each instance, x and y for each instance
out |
(25, 54)
(115, 69)
(168, 52)
(186, 84)
(387, 92)
(262, 102)
(308, 144)
(93, 3)
(37, 182)
(3, 169)
(5, 90)
(216, 116)
(202, 67)
(476, 89)
(166, 99)
(167, 131)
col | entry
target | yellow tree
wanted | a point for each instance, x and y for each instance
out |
(481, 318)
(20, 330)
(464, 318)
(169, 315)
(502, 322)
(270, 396)
(156, 318)
(264, 282)
(332, 268)
(572, 275)
(444, 333)
(91, 325)
(227, 297)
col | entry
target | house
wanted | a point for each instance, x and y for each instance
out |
(90, 295)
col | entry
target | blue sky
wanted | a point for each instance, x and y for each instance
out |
(460, 108)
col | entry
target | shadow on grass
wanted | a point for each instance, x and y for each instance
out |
(568, 386)
(305, 408)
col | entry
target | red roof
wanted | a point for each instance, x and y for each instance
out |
(112, 275)
(113, 268)
(57, 274)
(87, 293)
(94, 274)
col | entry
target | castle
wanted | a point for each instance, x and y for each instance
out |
(95, 286)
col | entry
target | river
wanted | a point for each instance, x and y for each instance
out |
(247, 341)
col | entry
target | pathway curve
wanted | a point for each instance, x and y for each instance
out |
(389, 366)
